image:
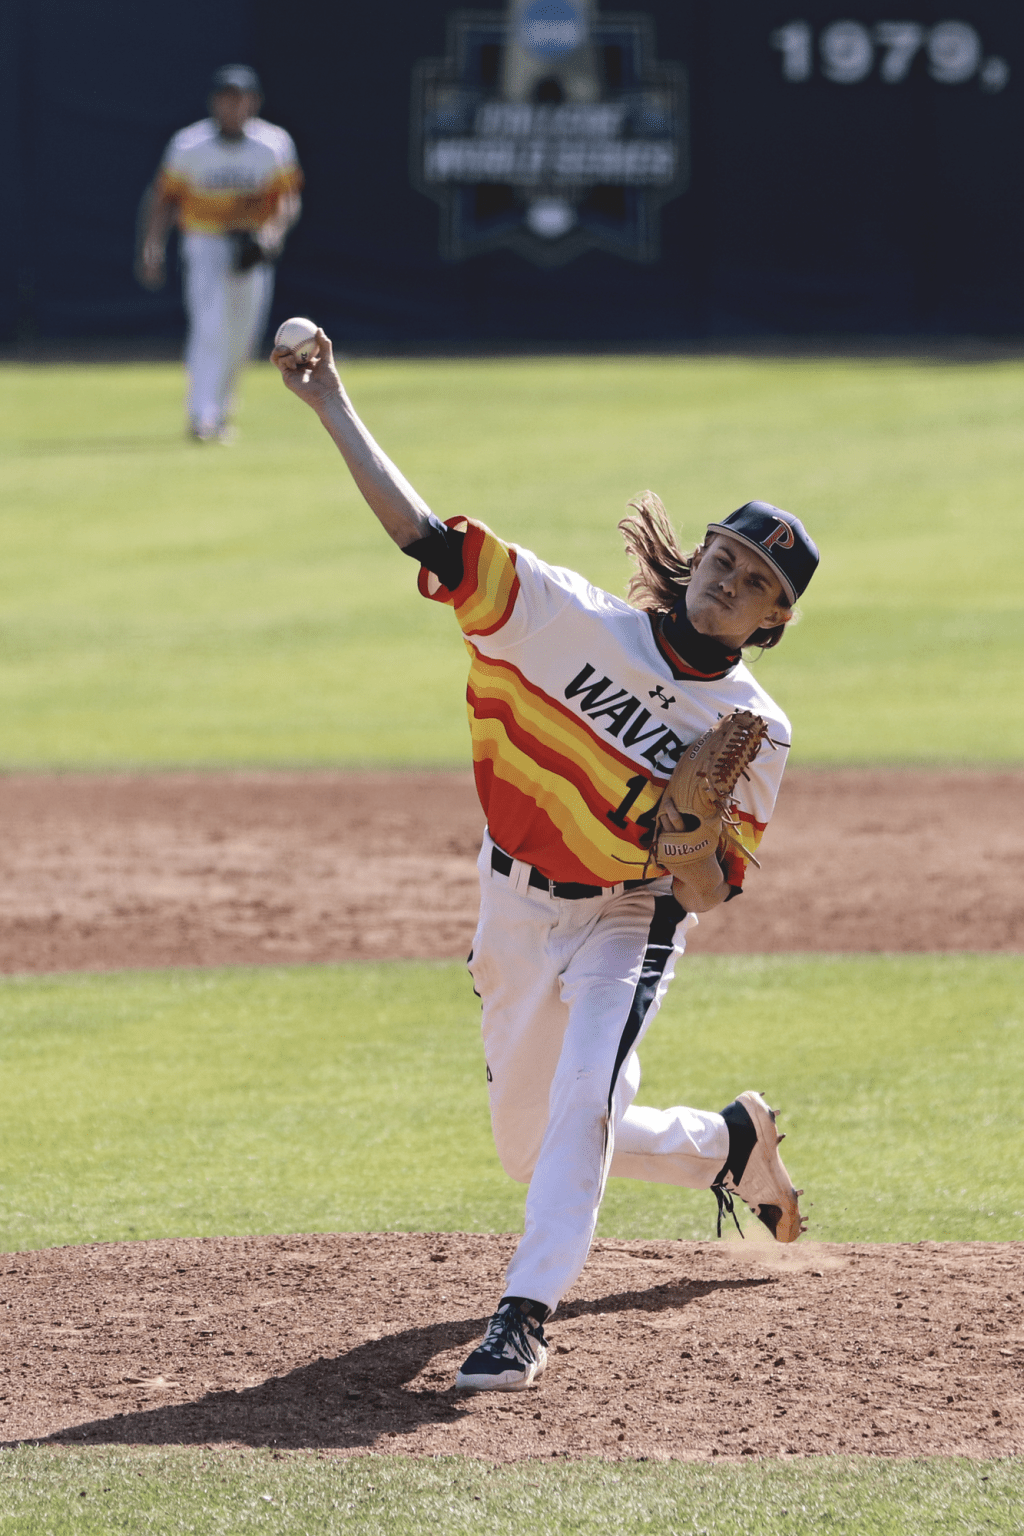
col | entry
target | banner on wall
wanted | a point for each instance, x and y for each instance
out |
(550, 130)
(854, 169)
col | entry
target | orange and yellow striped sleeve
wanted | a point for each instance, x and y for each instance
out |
(486, 595)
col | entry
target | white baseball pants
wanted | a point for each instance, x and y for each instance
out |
(568, 990)
(227, 314)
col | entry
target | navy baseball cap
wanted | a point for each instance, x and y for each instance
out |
(778, 537)
(235, 77)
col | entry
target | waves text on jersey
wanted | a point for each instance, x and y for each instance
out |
(623, 716)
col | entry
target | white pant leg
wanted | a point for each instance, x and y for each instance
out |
(249, 295)
(515, 974)
(613, 986)
(680, 1146)
(227, 312)
(568, 989)
(207, 261)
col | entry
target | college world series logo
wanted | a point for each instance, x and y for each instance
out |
(551, 130)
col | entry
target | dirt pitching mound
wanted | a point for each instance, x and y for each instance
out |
(106, 872)
(349, 1343)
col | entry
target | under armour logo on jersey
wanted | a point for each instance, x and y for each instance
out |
(656, 693)
(782, 535)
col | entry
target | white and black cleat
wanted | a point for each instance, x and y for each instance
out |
(512, 1354)
(755, 1171)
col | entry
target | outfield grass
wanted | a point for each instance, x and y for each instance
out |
(223, 1492)
(352, 1098)
(162, 603)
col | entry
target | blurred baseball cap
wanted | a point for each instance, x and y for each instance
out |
(235, 77)
(778, 537)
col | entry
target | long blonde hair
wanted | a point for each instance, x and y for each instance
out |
(663, 569)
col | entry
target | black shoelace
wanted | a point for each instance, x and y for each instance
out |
(726, 1205)
(508, 1329)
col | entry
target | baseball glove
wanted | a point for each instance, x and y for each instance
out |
(696, 811)
(248, 251)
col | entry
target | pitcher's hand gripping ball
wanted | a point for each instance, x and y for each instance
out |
(695, 811)
(299, 336)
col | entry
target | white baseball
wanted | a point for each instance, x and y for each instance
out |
(300, 335)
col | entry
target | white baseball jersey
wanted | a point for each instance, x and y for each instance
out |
(579, 711)
(221, 184)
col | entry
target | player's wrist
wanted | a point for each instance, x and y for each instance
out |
(335, 411)
(694, 896)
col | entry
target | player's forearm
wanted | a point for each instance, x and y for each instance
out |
(288, 210)
(400, 510)
(158, 220)
(158, 214)
(275, 231)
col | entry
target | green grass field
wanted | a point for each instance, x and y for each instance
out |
(224, 1493)
(160, 1104)
(162, 603)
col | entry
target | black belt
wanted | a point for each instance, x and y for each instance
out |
(565, 890)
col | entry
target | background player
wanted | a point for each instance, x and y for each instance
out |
(580, 704)
(231, 184)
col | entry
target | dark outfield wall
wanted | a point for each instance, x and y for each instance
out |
(840, 181)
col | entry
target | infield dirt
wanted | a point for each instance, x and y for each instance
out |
(348, 1343)
(107, 872)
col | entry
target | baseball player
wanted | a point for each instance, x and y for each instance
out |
(580, 705)
(231, 183)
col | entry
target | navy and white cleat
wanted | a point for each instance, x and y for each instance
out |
(513, 1352)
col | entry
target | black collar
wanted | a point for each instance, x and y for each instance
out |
(689, 653)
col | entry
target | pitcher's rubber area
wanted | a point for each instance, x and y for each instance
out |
(105, 872)
(684, 1350)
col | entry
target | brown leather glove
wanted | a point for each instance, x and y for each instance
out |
(696, 811)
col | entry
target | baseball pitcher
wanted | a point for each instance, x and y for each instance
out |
(627, 762)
